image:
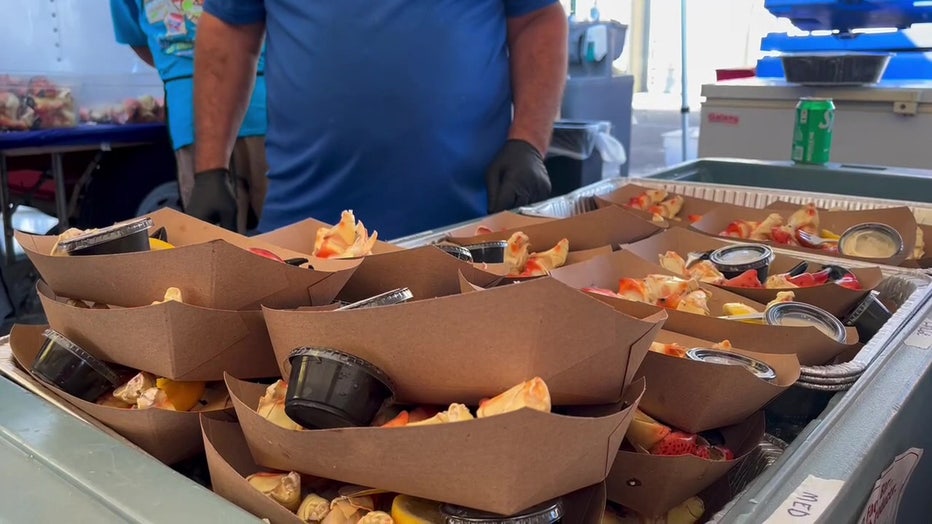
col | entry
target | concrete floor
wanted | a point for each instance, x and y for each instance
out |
(647, 154)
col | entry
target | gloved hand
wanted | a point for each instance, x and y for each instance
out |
(213, 199)
(517, 177)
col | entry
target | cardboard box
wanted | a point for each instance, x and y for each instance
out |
(679, 391)
(610, 226)
(230, 462)
(831, 297)
(463, 348)
(210, 266)
(652, 484)
(172, 340)
(809, 344)
(169, 436)
(501, 464)
(692, 206)
(300, 236)
(900, 218)
(427, 271)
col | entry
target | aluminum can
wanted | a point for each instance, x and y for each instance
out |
(812, 136)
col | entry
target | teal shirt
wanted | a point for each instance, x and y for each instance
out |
(167, 28)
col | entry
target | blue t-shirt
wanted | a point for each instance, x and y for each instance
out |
(167, 28)
(393, 109)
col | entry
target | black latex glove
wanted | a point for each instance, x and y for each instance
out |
(213, 199)
(517, 177)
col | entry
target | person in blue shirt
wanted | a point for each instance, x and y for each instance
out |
(162, 33)
(412, 113)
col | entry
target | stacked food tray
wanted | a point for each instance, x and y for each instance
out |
(905, 287)
(500, 324)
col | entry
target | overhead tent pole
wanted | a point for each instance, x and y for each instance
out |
(684, 108)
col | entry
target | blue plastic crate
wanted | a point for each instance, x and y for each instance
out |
(906, 66)
(846, 15)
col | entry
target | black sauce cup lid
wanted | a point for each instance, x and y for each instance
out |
(756, 254)
(806, 313)
(103, 369)
(493, 244)
(324, 353)
(457, 251)
(107, 234)
(758, 368)
(541, 514)
(389, 298)
(870, 315)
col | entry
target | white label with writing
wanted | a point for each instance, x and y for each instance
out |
(885, 499)
(922, 337)
(808, 502)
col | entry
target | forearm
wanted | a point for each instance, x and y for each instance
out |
(225, 60)
(538, 46)
(144, 54)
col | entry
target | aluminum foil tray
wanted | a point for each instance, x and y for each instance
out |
(582, 201)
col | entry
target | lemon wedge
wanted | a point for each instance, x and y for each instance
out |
(411, 510)
(158, 245)
(182, 395)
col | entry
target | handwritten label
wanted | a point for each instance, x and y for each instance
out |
(922, 337)
(884, 501)
(808, 502)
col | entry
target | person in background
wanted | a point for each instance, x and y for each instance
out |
(412, 114)
(162, 33)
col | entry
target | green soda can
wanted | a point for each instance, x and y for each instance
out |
(812, 138)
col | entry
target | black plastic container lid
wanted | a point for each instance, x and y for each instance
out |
(103, 369)
(883, 229)
(545, 513)
(742, 257)
(389, 298)
(494, 244)
(806, 314)
(759, 369)
(869, 316)
(107, 234)
(344, 358)
(457, 251)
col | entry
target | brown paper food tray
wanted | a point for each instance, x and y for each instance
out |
(926, 261)
(831, 297)
(427, 271)
(573, 257)
(300, 237)
(609, 226)
(169, 436)
(809, 344)
(463, 348)
(230, 462)
(678, 389)
(900, 218)
(210, 267)
(652, 485)
(171, 340)
(499, 222)
(923, 263)
(691, 205)
(501, 464)
(606, 271)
